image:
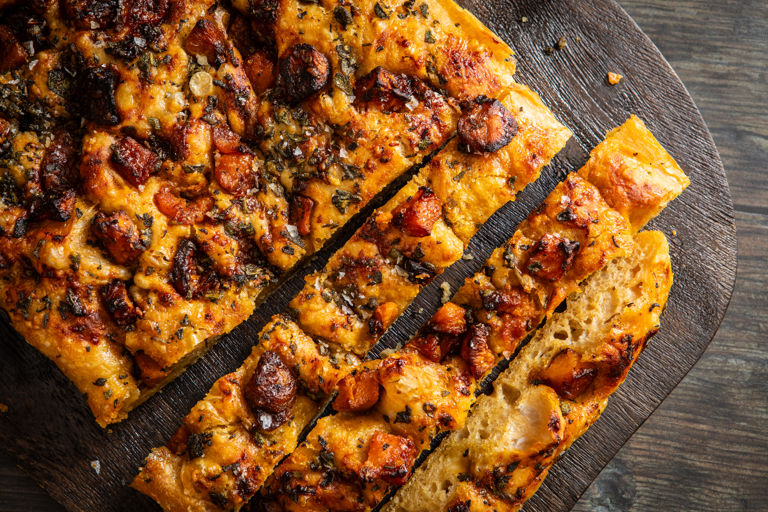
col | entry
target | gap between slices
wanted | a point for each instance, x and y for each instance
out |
(428, 387)
(318, 376)
(556, 387)
(226, 419)
(156, 231)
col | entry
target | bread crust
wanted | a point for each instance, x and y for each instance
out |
(426, 391)
(188, 142)
(517, 432)
(332, 320)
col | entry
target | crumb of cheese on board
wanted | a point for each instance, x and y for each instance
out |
(614, 78)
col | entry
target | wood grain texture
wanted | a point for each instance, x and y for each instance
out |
(706, 447)
(572, 83)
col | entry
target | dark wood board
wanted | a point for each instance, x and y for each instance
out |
(50, 433)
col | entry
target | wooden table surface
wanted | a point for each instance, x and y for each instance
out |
(706, 447)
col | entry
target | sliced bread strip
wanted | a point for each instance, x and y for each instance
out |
(555, 388)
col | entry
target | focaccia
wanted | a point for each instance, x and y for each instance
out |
(390, 410)
(340, 314)
(164, 162)
(551, 393)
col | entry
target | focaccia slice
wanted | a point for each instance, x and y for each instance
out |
(426, 388)
(362, 289)
(556, 387)
(196, 184)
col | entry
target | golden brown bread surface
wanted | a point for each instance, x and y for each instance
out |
(427, 387)
(556, 387)
(164, 162)
(342, 311)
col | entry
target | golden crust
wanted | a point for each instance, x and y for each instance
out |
(177, 139)
(420, 394)
(517, 432)
(427, 388)
(344, 308)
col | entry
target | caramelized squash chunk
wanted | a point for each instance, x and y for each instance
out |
(301, 213)
(568, 375)
(12, 54)
(551, 257)
(418, 215)
(390, 458)
(358, 392)
(208, 40)
(97, 93)
(383, 90)
(271, 391)
(304, 70)
(181, 210)
(475, 350)
(119, 236)
(119, 304)
(134, 162)
(260, 70)
(234, 172)
(449, 319)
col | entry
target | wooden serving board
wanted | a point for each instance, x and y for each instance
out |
(50, 433)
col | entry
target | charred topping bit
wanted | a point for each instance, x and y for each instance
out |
(136, 15)
(119, 304)
(271, 391)
(134, 162)
(57, 202)
(343, 16)
(97, 92)
(485, 126)
(60, 207)
(475, 351)
(208, 40)
(432, 346)
(418, 215)
(119, 236)
(449, 319)
(418, 271)
(184, 265)
(264, 11)
(304, 70)
(357, 392)
(390, 458)
(12, 53)
(196, 444)
(242, 34)
(380, 12)
(59, 165)
(341, 199)
(234, 172)
(388, 92)
(551, 257)
(567, 374)
(301, 213)
(91, 14)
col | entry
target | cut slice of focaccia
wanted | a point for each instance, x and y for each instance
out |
(391, 409)
(231, 440)
(557, 386)
(164, 162)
